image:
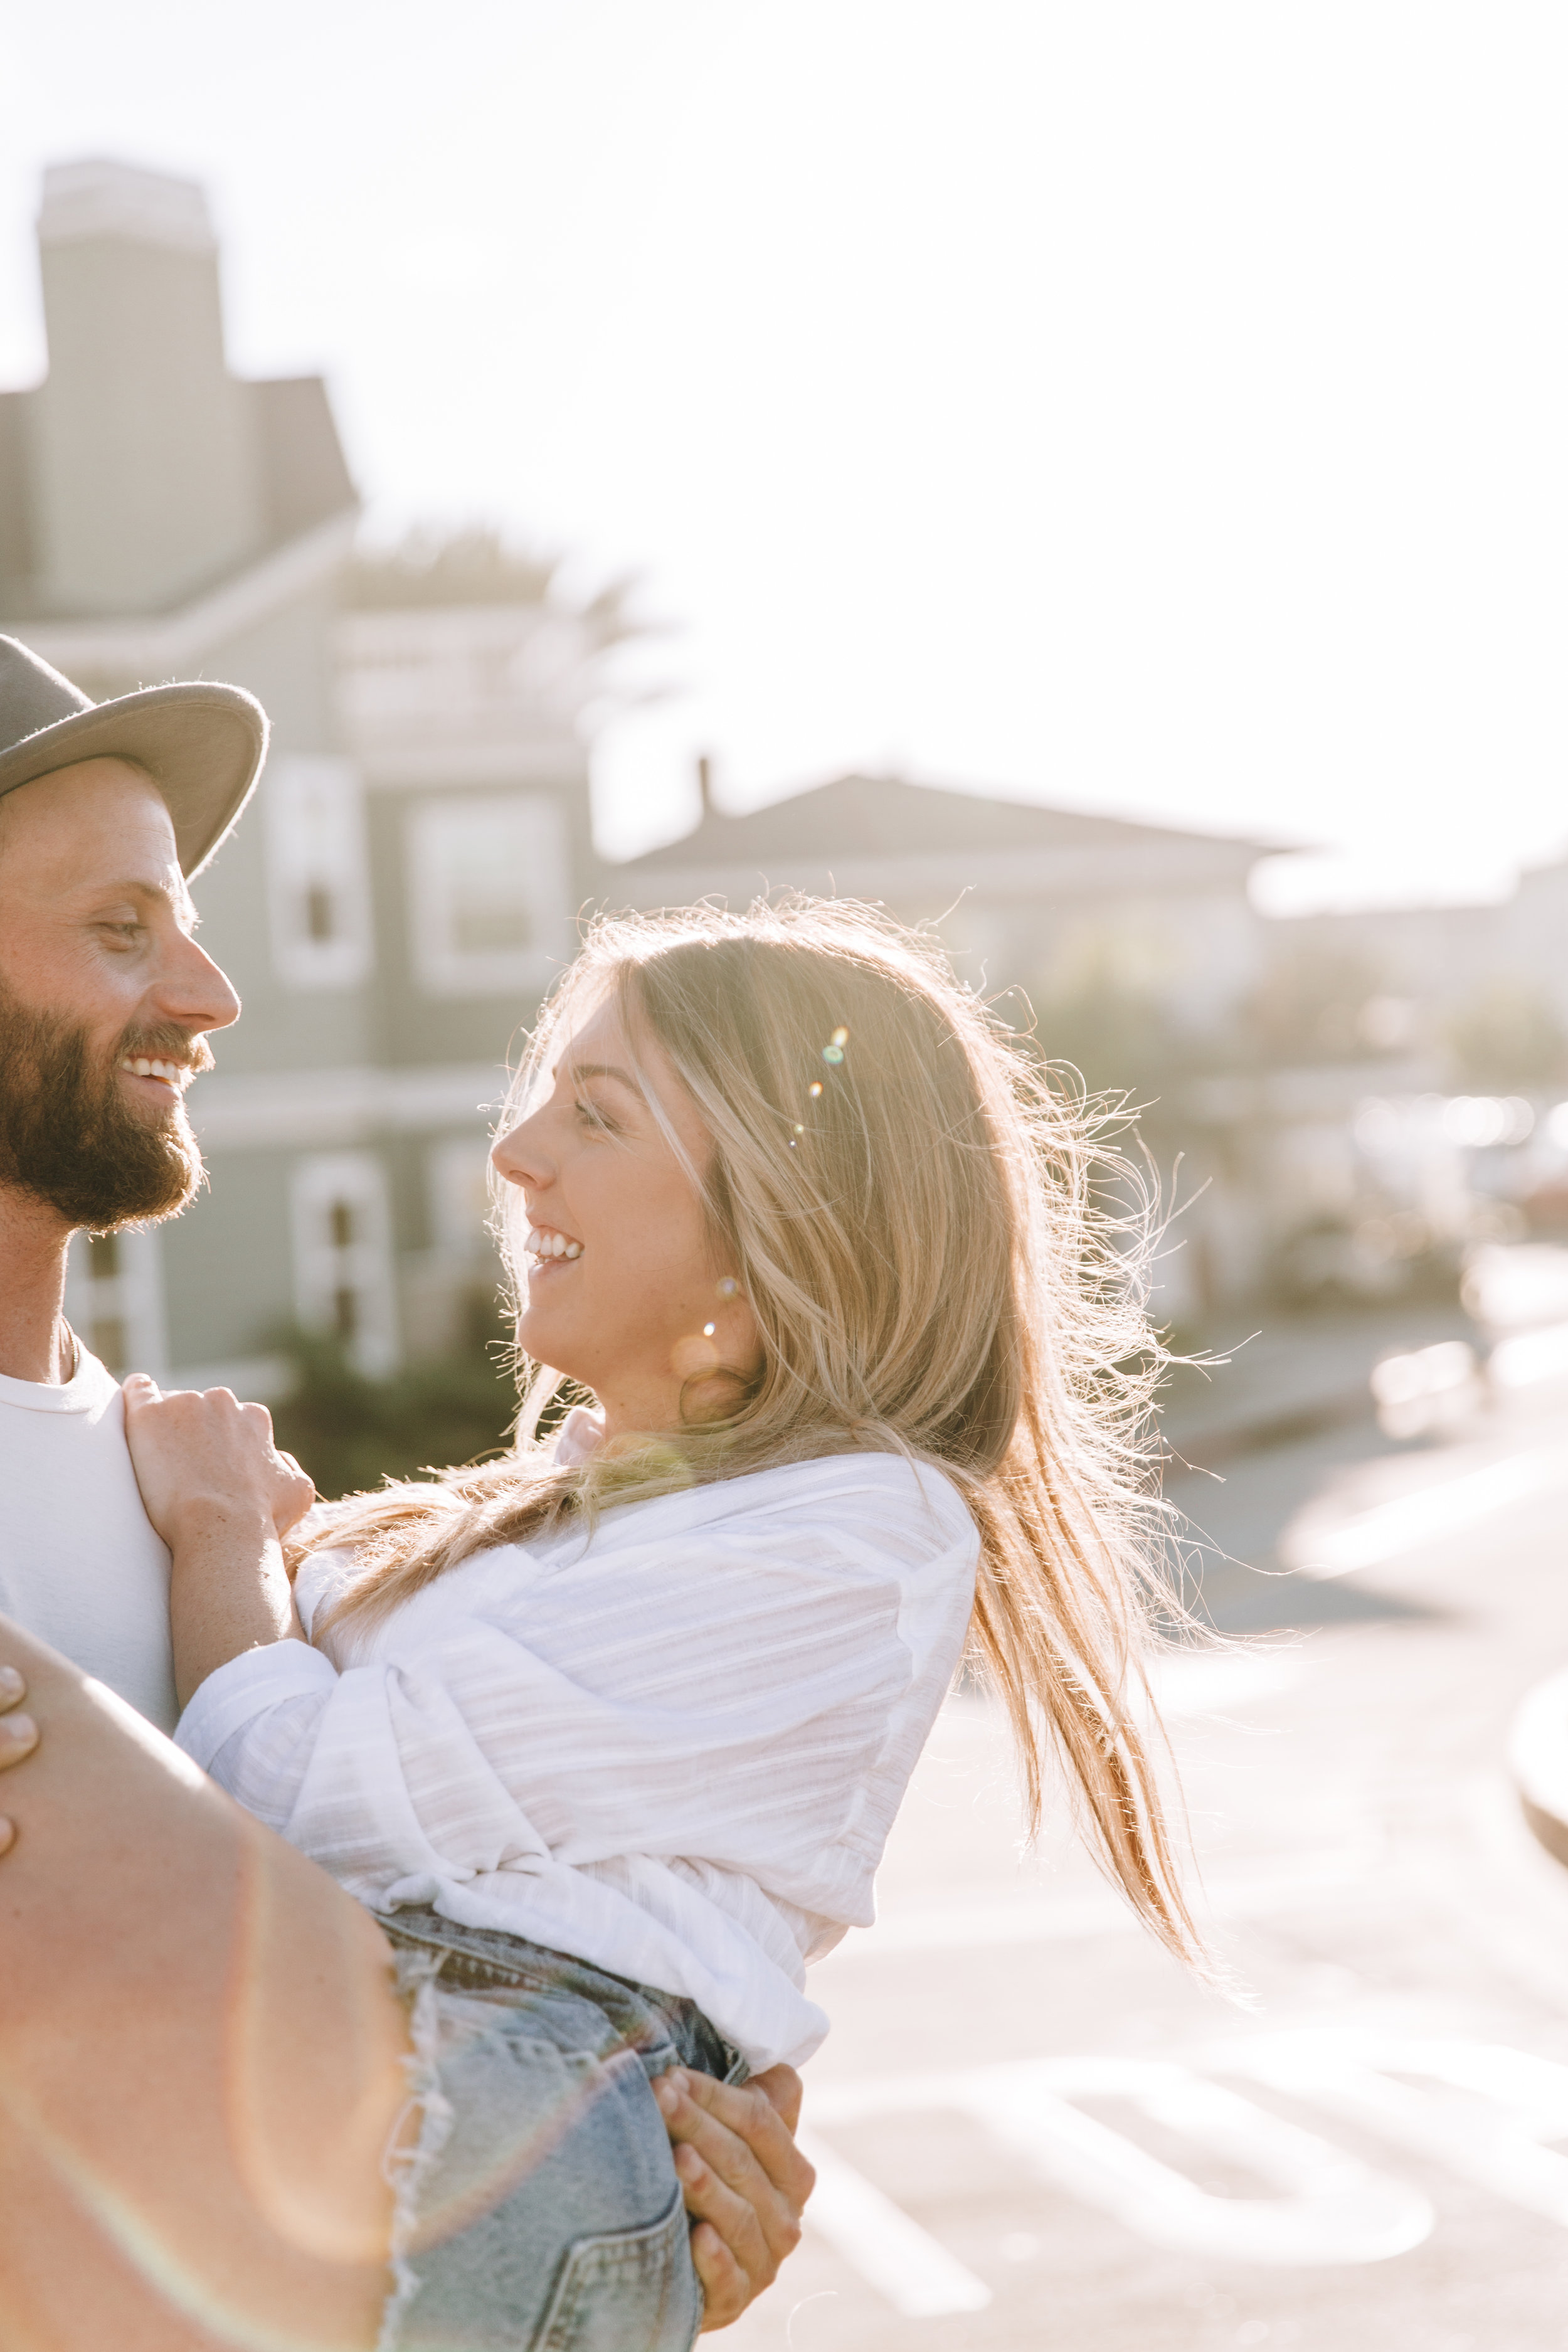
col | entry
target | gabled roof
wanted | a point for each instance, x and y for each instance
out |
(877, 816)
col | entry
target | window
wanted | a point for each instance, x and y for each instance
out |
(342, 1256)
(488, 893)
(318, 887)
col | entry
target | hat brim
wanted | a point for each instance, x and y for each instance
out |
(202, 744)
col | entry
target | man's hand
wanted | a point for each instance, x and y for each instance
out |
(745, 2180)
(18, 1738)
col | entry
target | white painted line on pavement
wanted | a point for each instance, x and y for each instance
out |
(1335, 2209)
(1408, 1521)
(910, 2268)
(1487, 2119)
(1486, 2112)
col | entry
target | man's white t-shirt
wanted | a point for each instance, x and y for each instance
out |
(80, 1566)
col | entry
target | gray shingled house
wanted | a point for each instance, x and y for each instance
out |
(404, 884)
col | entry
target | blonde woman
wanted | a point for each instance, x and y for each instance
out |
(609, 1734)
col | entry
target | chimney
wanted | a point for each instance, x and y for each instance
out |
(145, 474)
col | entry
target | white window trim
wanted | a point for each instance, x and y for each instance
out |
(303, 852)
(132, 1297)
(322, 1267)
(445, 969)
(455, 1175)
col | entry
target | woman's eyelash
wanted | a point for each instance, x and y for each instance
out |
(591, 1115)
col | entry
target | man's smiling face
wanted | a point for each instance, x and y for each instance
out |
(105, 998)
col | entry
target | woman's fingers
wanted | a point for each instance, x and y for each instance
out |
(296, 1494)
(12, 1688)
(7, 1833)
(201, 1454)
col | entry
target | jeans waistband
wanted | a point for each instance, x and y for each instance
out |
(664, 2028)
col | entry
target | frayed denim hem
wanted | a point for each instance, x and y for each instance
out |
(410, 2154)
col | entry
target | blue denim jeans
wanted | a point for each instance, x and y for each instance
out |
(540, 2211)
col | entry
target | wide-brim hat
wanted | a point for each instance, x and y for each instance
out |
(202, 744)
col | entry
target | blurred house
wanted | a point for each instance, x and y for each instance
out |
(1343, 1108)
(1484, 988)
(1023, 897)
(404, 886)
(1129, 950)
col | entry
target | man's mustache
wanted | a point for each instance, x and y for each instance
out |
(166, 1043)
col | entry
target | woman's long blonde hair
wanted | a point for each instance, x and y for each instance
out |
(927, 1230)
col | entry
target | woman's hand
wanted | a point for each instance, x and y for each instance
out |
(200, 1455)
(221, 1496)
(18, 1738)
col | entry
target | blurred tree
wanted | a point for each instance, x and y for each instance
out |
(1319, 1004)
(350, 1433)
(430, 567)
(1507, 1038)
(1118, 1039)
(1101, 1008)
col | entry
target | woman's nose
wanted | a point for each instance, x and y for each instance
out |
(516, 1155)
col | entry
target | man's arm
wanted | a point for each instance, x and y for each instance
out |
(743, 2179)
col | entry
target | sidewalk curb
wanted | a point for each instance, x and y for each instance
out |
(1538, 1759)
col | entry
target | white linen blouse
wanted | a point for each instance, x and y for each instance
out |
(672, 1746)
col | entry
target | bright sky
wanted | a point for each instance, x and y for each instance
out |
(1153, 405)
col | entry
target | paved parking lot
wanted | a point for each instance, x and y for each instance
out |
(1034, 2130)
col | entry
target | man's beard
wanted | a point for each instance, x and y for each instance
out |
(68, 1135)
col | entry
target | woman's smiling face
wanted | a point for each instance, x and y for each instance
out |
(623, 1290)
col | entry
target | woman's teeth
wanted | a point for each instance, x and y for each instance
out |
(171, 1073)
(542, 1244)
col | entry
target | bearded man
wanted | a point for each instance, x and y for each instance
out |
(131, 2208)
(106, 1000)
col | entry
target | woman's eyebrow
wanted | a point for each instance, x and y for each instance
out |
(604, 1070)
